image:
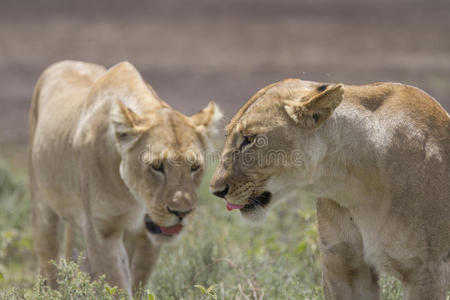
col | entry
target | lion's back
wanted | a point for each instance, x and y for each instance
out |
(55, 110)
(58, 98)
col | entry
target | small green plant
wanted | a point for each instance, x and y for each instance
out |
(150, 295)
(209, 292)
(72, 284)
(391, 288)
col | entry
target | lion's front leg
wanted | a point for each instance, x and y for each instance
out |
(428, 282)
(107, 255)
(143, 256)
(345, 275)
(343, 281)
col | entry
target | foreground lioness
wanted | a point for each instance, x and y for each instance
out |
(109, 157)
(377, 156)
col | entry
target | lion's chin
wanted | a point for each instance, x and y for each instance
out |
(160, 238)
(159, 234)
(256, 208)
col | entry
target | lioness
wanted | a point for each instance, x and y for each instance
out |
(378, 158)
(109, 157)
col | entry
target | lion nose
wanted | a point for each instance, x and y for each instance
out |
(221, 193)
(182, 204)
(179, 214)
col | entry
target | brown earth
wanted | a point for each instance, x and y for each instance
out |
(193, 51)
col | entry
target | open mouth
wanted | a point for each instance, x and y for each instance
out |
(253, 203)
(154, 228)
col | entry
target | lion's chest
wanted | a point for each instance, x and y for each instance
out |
(388, 244)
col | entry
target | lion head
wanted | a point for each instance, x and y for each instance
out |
(270, 137)
(162, 161)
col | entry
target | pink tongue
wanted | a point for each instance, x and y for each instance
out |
(233, 206)
(172, 230)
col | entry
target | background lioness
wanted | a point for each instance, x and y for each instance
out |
(377, 156)
(109, 157)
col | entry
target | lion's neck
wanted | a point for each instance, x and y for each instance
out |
(344, 162)
(109, 165)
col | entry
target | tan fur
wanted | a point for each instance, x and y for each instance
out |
(378, 158)
(96, 137)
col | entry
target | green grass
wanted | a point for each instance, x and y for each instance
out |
(221, 256)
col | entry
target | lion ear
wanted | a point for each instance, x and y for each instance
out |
(124, 121)
(207, 121)
(316, 106)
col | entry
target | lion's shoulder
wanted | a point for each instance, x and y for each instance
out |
(397, 100)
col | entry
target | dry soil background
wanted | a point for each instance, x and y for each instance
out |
(193, 51)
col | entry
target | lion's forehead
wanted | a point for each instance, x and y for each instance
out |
(167, 137)
(291, 88)
(169, 124)
(190, 152)
(189, 155)
(172, 139)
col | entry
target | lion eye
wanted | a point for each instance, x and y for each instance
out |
(247, 141)
(195, 168)
(158, 168)
(122, 135)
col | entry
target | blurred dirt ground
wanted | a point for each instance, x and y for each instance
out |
(193, 51)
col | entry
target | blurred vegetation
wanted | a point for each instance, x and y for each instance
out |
(16, 255)
(221, 256)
